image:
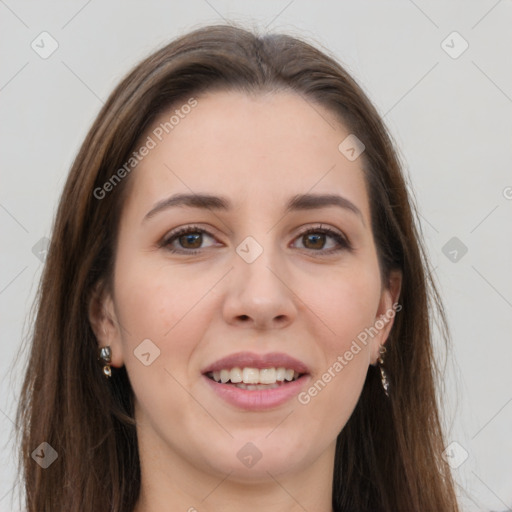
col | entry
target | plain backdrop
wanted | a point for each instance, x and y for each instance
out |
(440, 73)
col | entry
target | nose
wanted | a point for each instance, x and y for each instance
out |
(259, 295)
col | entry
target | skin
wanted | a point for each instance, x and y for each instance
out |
(258, 151)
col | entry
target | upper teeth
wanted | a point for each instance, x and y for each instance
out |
(255, 375)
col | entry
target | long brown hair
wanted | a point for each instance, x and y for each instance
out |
(388, 456)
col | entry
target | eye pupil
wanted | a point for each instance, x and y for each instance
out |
(316, 238)
(191, 237)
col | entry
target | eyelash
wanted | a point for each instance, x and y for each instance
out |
(343, 242)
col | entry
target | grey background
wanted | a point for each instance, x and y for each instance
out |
(449, 116)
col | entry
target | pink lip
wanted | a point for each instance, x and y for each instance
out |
(258, 399)
(252, 360)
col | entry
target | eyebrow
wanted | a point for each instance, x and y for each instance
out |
(296, 203)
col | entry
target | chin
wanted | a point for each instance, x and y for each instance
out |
(247, 460)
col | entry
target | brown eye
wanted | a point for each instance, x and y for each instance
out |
(187, 240)
(190, 240)
(315, 239)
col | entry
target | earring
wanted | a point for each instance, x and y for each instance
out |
(105, 353)
(383, 376)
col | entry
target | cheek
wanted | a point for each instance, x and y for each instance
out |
(162, 305)
(345, 304)
(168, 307)
(346, 308)
(155, 301)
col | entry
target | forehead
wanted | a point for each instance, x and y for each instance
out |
(259, 150)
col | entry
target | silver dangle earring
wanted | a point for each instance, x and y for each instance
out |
(105, 355)
(383, 376)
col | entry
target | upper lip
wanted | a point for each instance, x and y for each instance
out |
(253, 360)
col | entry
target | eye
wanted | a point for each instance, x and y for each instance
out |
(189, 239)
(315, 239)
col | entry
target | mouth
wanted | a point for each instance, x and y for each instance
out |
(256, 382)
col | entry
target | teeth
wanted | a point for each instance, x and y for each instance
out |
(236, 375)
(267, 376)
(281, 374)
(289, 375)
(254, 378)
(251, 376)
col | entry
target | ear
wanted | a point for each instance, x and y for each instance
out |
(104, 324)
(388, 308)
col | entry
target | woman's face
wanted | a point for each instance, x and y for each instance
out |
(246, 284)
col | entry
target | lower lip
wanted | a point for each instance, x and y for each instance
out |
(257, 399)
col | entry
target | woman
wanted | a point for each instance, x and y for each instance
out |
(236, 308)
